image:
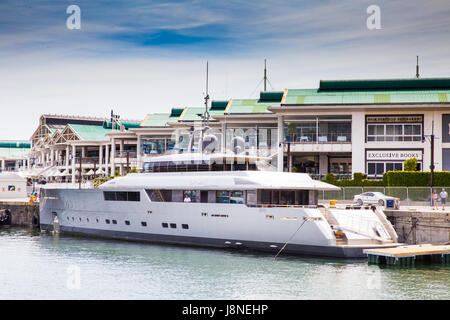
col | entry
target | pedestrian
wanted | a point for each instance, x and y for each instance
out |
(187, 198)
(444, 196)
(435, 199)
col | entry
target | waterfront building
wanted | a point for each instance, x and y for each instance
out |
(60, 143)
(342, 127)
(368, 126)
(14, 154)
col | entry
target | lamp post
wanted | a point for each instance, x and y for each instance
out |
(431, 137)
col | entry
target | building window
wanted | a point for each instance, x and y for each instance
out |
(165, 225)
(185, 226)
(143, 223)
(377, 169)
(394, 128)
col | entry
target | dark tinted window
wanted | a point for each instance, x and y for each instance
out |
(185, 226)
(109, 195)
(107, 221)
(165, 225)
(114, 221)
(127, 222)
(143, 223)
(121, 196)
(134, 196)
(173, 225)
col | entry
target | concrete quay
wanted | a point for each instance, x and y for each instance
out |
(420, 224)
(23, 212)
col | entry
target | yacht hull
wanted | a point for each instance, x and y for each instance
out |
(85, 212)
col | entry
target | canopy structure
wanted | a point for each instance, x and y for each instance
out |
(219, 180)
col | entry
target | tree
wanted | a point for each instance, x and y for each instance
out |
(410, 164)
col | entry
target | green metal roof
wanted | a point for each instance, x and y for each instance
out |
(14, 144)
(271, 96)
(315, 96)
(266, 99)
(219, 105)
(91, 133)
(176, 112)
(386, 84)
(250, 106)
(127, 125)
(158, 120)
(196, 113)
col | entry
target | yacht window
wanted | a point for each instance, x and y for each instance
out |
(237, 197)
(173, 225)
(109, 195)
(143, 223)
(223, 197)
(185, 226)
(122, 195)
(127, 222)
(107, 221)
(266, 196)
(159, 195)
(190, 195)
(134, 196)
(165, 225)
(114, 221)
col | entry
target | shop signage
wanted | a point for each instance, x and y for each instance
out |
(393, 154)
(394, 119)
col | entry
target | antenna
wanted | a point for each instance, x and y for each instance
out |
(206, 114)
(417, 67)
(264, 79)
(265, 76)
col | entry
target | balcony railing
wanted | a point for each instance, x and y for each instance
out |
(321, 138)
(124, 154)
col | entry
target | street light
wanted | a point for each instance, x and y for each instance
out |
(431, 138)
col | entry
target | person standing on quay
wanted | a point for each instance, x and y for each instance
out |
(444, 196)
(435, 199)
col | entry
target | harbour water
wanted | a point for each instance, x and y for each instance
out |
(37, 265)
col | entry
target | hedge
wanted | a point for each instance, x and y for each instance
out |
(357, 181)
(393, 179)
(416, 178)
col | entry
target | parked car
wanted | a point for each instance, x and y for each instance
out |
(375, 198)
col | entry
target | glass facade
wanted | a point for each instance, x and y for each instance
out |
(394, 132)
(318, 130)
(156, 145)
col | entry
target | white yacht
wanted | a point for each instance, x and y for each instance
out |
(254, 210)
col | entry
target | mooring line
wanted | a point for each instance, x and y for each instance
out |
(289, 239)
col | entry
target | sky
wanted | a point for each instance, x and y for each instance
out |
(141, 56)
